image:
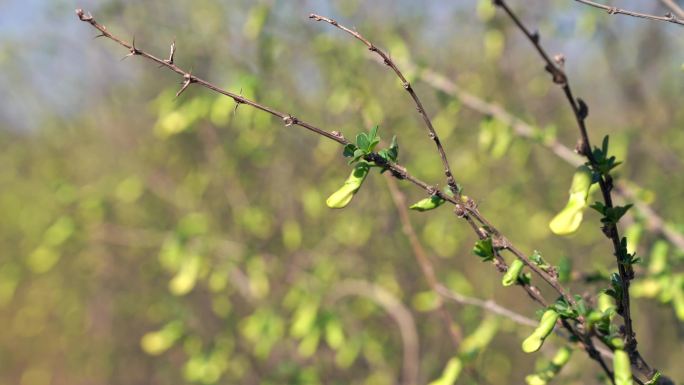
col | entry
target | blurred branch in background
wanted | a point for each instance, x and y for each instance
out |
(400, 313)
(669, 17)
(674, 7)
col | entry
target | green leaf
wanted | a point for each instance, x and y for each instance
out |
(563, 308)
(484, 249)
(363, 142)
(349, 150)
(391, 153)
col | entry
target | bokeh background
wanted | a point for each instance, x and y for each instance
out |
(152, 240)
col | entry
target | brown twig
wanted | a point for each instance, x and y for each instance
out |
(668, 17)
(398, 311)
(451, 182)
(580, 112)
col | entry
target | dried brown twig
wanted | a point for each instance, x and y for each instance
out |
(668, 17)
(580, 111)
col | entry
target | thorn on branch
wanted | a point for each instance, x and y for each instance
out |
(172, 53)
(187, 80)
(613, 10)
(133, 51)
(237, 103)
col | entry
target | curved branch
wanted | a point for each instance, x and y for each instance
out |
(397, 310)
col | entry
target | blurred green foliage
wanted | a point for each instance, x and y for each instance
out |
(154, 239)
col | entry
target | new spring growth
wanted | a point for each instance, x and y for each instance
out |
(535, 341)
(569, 219)
(429, 203)
(341, 198)
(622, 368)
(512, 273)
(547, 374)
(434, 201)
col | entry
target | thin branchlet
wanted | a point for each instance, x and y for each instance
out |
(669, 17)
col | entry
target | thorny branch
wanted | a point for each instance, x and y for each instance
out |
(451, 182)
(470, 208)
(465, 208)
(580, 111)
(668, 17)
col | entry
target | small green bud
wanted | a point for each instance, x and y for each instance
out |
(535, 341)
(512, 273)
(341, 198)
(429, 203)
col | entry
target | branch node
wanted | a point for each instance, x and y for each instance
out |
(187, 80)
(582, 109)
(461, 212)
(290, 120)
(83, 16)
(535, 36)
